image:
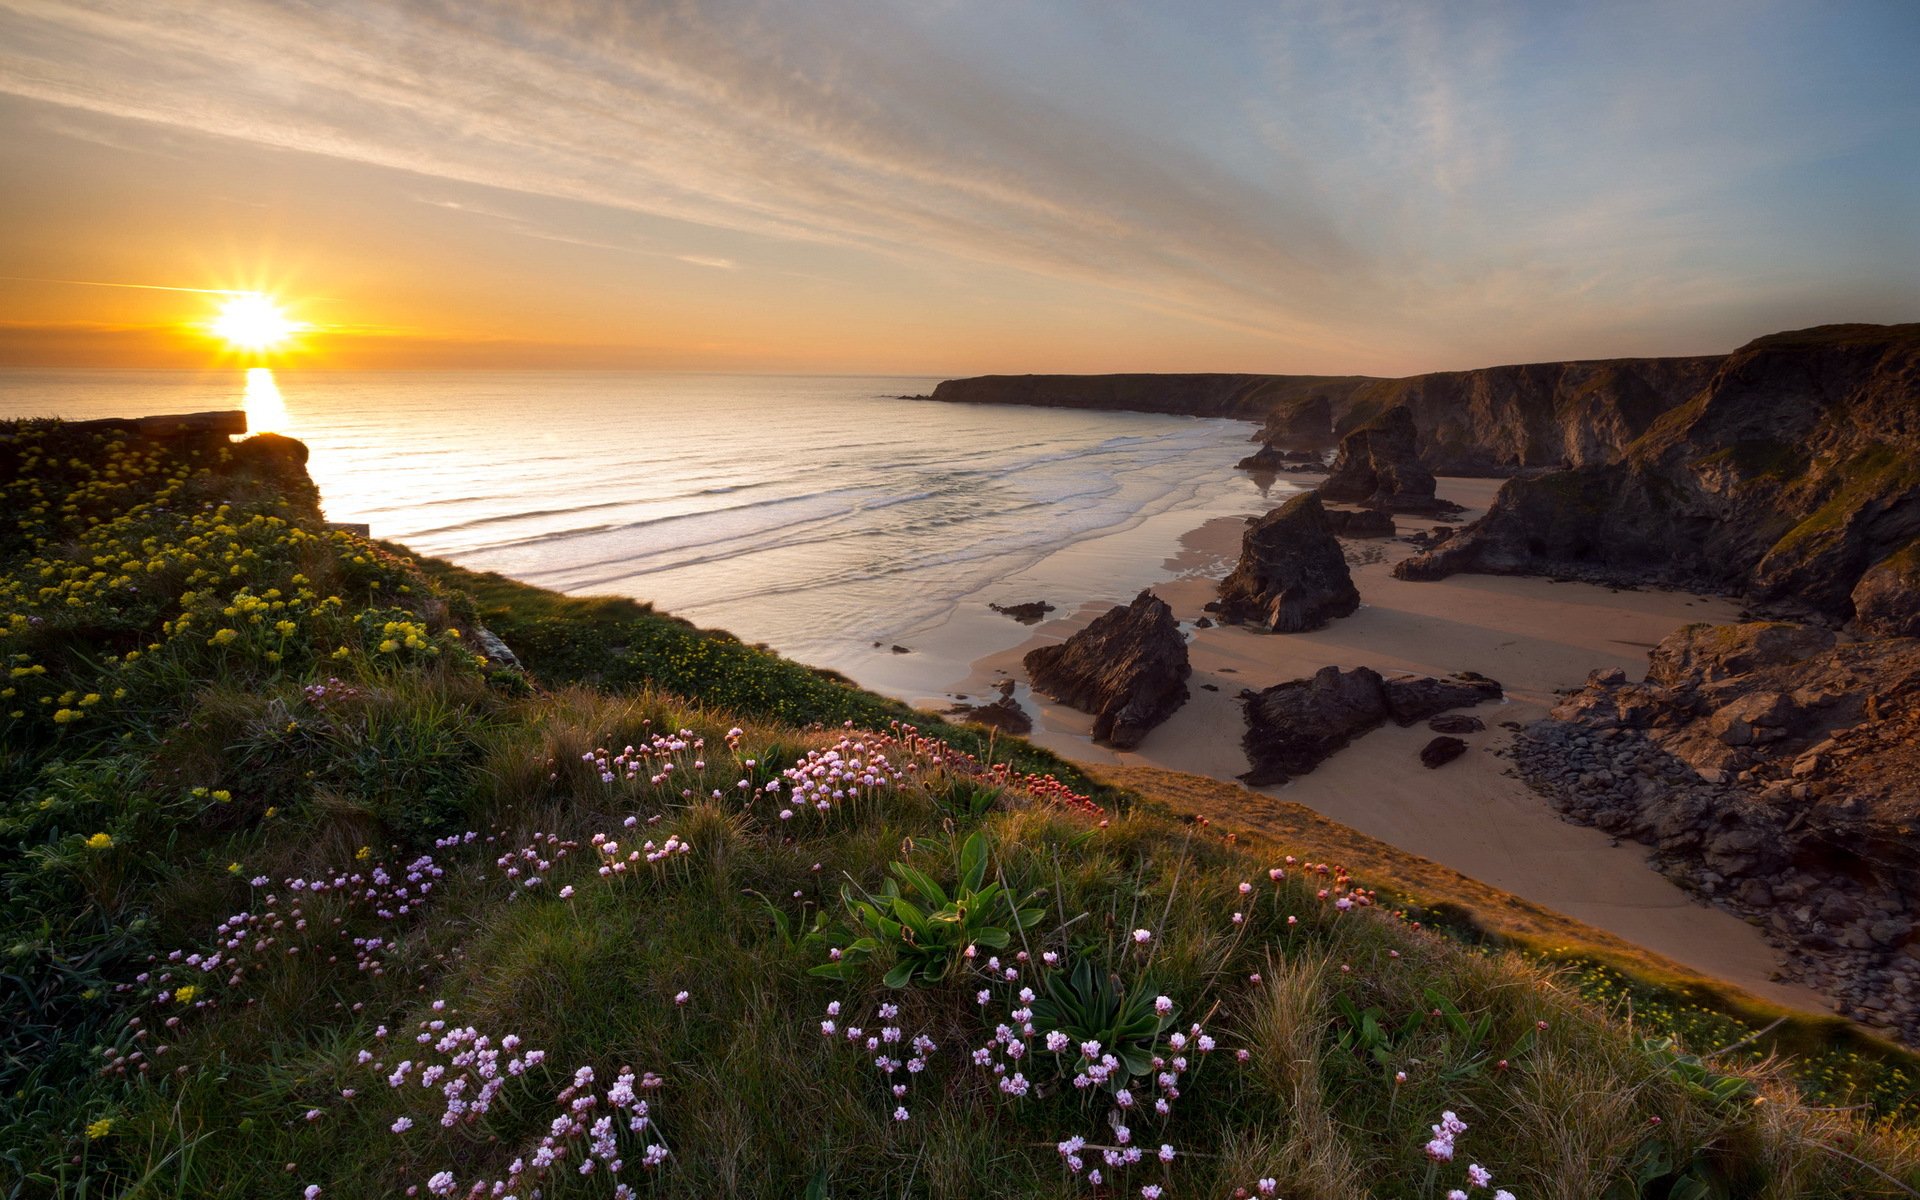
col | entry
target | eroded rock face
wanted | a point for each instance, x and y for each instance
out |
(1292, 576)
(1128, 668)
(1701, 653)
(1886, 601)
(1379, 465)
(1774, 769)
(1293, 727)
(1791, 475)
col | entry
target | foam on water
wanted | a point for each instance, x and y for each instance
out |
(815, 514)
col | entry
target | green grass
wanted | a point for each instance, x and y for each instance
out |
(172, 821)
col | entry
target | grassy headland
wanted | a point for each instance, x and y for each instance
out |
(303, 896)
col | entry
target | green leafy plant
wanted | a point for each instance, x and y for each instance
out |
(968, 799)
(1368, 1032)
(1655, 1172)
(923, 929)
(1090, 1005)
(1696, 1076)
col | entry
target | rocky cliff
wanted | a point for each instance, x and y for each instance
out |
(1793, 475)
(1250, 397)
(1495, 420)
(1499, 420)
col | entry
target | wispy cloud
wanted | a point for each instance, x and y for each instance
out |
(1329, 176)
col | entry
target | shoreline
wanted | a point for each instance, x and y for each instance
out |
(1534, 635)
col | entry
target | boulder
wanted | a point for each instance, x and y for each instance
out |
(1379, 464)
(1441, 751)
(1886, 601)
(1128, 668)
(1292, 575)
(1031, 612)
(1292, 727)
(1456, 723)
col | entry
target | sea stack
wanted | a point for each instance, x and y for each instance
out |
(1292, 575)
(1129, 669)
(1379, 465)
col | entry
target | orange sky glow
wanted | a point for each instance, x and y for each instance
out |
(940, 190)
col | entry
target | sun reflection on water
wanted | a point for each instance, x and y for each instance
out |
(266, 408)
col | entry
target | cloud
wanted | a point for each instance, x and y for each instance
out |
(1320, 178)
(769, 122)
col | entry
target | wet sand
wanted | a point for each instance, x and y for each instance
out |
(1534, 635)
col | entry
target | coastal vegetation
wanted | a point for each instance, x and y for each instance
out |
(307, 895)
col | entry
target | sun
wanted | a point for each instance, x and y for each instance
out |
(253, 322)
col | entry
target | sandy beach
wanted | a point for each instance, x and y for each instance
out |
(1535, 636)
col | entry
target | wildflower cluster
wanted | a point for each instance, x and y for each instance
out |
(886, 1042)
(855, 766)
(166, 556)
(595, 1131)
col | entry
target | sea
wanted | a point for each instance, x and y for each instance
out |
(830, 518)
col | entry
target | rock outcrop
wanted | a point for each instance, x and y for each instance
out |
(1364, 523)
(1379, 465)
(1775, 769)
(1128, 668)
(1293, 727)
(1291, 576)
(1030, 612)
(1886, 601)
(1003, 712)
(1792, 474)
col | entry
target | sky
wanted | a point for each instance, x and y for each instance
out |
(942, 187)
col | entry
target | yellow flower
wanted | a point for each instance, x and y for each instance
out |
(100, 841)
(99, 1129)
(186, 994)
(233, 868)
(363, 853)
(223, 795)
(223, 637)
(91, 698)
(272, 811)
(67, 714)
(389, 646)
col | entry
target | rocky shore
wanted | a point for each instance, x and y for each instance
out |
(1774, 769)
